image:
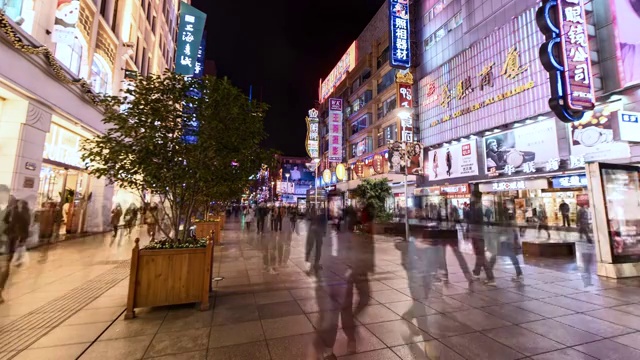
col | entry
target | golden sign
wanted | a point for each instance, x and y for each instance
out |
(512, 68)
(446, 97)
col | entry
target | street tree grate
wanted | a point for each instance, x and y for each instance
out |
(31, 327)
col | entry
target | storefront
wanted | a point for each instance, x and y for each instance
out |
(440, 201)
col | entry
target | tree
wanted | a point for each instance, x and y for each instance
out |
(187, 141)
(374, 194)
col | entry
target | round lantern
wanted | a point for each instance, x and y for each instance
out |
(341, 172)
(359, 168)
(378, 164)
(326, 176)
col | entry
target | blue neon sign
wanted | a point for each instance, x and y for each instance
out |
(400, 47)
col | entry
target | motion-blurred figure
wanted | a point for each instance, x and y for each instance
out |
(317, 231)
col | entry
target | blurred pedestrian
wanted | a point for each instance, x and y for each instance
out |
(19, 221)
(130, 218)
(116, 215)
(8, 245)
(543, 221)
(315, 235)
(248, 217)
(151, 218)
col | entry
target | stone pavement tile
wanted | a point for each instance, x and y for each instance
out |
(475, 299)
(186, 318)
(398, 332)
(523, 340)
(134, 327)
(127, 348)
(389, 296)
(598, 299)
(382, 285)
(252, 351)
(632, 340)
(609, 350)
(235, 314)
(531, 292)
(273, 297)
(236, 334)
(557, 289)
(73, 334)
(64, 352)
(178, 342)
(617, 317)
(546, 278)
(107, 301)
(322, 303)
(365, 341)
(564, 354)
(395, 283)
(7, 320)
(410, 309)
(571, 304)
(505, 296)
(234, 300)
(194, 355)
(384, 354)
(286, 326)
(445, 304)
(597, 285)
(432, 349)
(279, 309)
(627, 294)
(292, 347)
(94, 316)
(304, 293)
(593, 325)
(478, 346)
(376, 313)
(448, 289)
(560, 332)
(542, 308)
(478, 319)
(440, 326)
(512, 314)
(633, 309)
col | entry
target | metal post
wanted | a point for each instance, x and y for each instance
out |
(406, 195)
(316, 187)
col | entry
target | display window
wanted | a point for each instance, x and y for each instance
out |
(62, 200)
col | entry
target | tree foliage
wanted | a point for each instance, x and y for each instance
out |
(374, 194)
(187, 141)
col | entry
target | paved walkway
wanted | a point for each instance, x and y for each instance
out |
(394, 312)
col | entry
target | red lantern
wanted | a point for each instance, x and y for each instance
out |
(378, 164)
(359, 168)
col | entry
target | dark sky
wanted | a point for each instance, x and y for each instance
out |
(283, 47)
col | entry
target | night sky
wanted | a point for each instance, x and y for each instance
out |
(282, 48)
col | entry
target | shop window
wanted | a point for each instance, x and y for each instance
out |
(436, 9)
(383, 58)
(70, 55)
(388, 106)
(100, 75)
(387, 80)
(360, 124)
(390, 133)
(13, 8)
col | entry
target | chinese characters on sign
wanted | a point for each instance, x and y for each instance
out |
(378, 164)
(198, 70)
(335, 130)
(313, 135)
(190, 32)
(400, 48)
(573, 181)
(405, 96)
(335, 77)
(514, 185)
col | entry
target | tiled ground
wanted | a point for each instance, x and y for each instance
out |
(292, 315)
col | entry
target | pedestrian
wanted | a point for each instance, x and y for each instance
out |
(293, 218)
(583, 222)
(261, 215)
(130, 218)
(543, 221)
(248, 217)
(18, 223)
(7, 242)
(280, 213)
(315, 235)
(116, 214)
(510, 246)
(564, 211)
(151, 218)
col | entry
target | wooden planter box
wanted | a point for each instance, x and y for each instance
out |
(204, 229)
(169, 277)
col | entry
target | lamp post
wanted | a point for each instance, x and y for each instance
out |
(273, 191)
(287, 175)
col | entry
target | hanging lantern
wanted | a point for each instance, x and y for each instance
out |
(378, 164)
(359, 168)
(341, 172)
(326, 176)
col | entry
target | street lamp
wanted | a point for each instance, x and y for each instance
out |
(287, 175)
(273, 191)
(405, 148)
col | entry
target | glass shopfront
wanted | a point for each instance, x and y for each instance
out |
(440, 201)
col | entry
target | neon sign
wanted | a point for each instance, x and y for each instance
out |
(190, 32)
(335, 130)
(335, 77)
(570, 67)
(400, 47)
(313, 135)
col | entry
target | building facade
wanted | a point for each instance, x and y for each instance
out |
(56, 56)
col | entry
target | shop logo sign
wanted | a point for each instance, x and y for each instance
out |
(400, 54)
(514, 185)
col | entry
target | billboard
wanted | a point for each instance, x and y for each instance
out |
(524, 149)
(347, 63)
(626, 17)
(300, 177)
(67, 16)
(190, 30)
(400, 47)
(593, 137)
(335, 130)
(313, 134)
(453, 161)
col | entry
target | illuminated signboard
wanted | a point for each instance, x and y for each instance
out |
(400, 48)
(313, 135)
(346, 64)
(190, 31)
(564, 24)
(198, 70)
(335, 130)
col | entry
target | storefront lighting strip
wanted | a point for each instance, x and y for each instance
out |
(530, 176)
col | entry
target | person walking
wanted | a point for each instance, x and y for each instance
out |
(248, 217)
(293, 218)
(18, 229)
(151, 219)
(8, 245)
(280, 213)
(315, 235)
(116, 214)
(564, 211)
(130, 218)
(543, 221)
(583, 223)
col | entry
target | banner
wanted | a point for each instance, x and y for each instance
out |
(190, 30)
(313, 134)
(64, 27)
(453, 161)
(524, 149)
(335, 130)
(397, 158)
(198, 70)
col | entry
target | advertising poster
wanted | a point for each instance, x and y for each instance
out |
(67, 15)
(593, 138)
(626, 17)
(526, 148)
(453, 161)
(299, 176)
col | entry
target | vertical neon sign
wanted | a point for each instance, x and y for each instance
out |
(400, 47)
(335, 130)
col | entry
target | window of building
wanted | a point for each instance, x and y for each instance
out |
(436, 9)
(387, 80)
(100, 75)
(103, 9)
(437, 35)
(383, 58)
(70, 55)
(390, 133)
(360, 124)
(388, 106)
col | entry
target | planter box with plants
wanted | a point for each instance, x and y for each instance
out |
(165, 273)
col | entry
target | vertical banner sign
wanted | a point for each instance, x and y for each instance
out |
(378, 163)
(64, 27)
(313, 137)
(565, 55)
(335, 130)
(404, 98)
(198, 71)
(400, 49)
(190, 32)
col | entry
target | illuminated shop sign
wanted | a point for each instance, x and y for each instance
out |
(198, 70)
(63, 146)
(335, 77)
(627, 126)
(513, 185)
(190, 32)
(313, 134)
(573, 181)
(335, 130)
(455, 189)
(400, 47)
(564, 24)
